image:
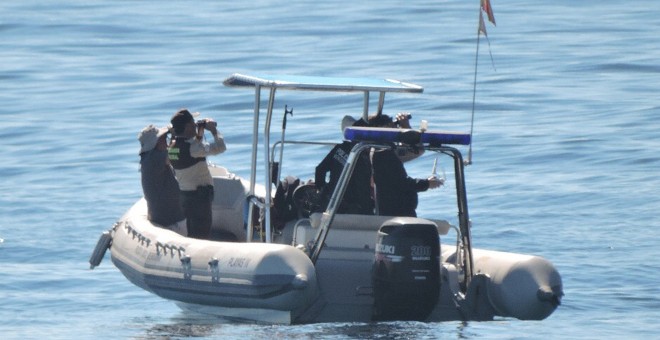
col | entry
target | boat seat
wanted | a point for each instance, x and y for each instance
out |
(371, 222)
(218, 171)
(228, 203)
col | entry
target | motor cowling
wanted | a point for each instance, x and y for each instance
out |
(406, 270)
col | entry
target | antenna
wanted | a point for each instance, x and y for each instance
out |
(434, 173)
(488, 9)
(468, 161)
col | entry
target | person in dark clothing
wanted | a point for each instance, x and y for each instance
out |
(161, 190)
(395, 191)
(357, 197)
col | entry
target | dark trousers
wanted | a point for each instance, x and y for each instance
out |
(197, 209)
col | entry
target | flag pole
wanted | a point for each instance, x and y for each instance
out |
(474, 90)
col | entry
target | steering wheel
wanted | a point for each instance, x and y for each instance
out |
(307, 199)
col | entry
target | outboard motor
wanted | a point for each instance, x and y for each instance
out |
(406, 271)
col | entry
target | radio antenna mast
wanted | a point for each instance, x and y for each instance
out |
(488, 9)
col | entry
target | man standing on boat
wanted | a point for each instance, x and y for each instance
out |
(395, 191)
(187, 154)
(161, 190)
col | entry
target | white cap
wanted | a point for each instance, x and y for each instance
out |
(346, 122)
(149, 136)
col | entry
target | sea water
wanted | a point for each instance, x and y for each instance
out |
(565, 155)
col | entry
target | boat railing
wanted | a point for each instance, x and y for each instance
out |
(276, 167)
(253, 201)
(338, 194)
(459, 246)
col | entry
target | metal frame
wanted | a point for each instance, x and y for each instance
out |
(304, 83)
(366, 86)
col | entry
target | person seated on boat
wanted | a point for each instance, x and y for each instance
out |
(160, 188)
(357, 197)
(187, 153)
(395, 192)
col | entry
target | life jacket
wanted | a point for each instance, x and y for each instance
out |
(179, 154)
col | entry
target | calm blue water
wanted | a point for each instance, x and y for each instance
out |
(566, 159)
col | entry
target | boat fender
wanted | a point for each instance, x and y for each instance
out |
(105, 241)
(521, 286)
(406, 271)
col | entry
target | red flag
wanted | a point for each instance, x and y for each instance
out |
(482, 26)
(485, 5)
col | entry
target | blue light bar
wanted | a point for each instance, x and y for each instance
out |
(409, 136)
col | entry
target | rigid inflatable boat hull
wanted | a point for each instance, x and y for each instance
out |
(209, 273)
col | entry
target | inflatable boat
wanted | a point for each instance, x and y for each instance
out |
(319, 265)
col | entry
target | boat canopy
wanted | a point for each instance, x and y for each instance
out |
(336, 84)
(272, 83)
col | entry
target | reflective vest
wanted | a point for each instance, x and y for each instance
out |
(179, 154)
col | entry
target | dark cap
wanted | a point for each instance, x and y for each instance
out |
(180, 119)
(360, 123)
(379, 120)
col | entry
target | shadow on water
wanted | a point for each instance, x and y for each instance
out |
(182, 326)
(192, 325)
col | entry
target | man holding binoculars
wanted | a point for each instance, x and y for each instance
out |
(187, 154)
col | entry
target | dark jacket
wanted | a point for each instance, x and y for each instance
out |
(160, 188)
(180, 154)
(357, 197)
(396, 192)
